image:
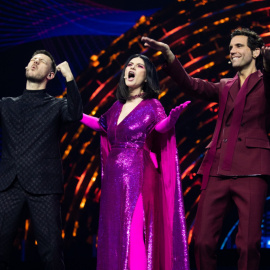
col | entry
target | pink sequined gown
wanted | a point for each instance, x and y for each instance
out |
(127, 173)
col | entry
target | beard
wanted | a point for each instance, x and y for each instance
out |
(35, 78)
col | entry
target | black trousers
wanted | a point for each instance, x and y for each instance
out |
(45, 216)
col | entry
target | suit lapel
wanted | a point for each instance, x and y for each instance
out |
(234, 89)
(209, 158)
(254, 79)
(231, 97)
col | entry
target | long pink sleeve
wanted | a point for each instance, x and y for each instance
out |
(169, 122)
(91, 121)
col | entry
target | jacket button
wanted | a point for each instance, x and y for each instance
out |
(239, 139)
(225, 140)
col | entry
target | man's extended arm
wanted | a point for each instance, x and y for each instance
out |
(72, 110)
(192, 86)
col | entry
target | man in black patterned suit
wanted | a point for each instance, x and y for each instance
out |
(31, 168)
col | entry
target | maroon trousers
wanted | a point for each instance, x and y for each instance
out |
(248, 194)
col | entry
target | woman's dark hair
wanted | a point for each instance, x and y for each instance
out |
(254, 40)
(49, 55)
(151, 87)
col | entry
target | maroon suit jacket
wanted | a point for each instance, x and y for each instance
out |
(252, 150)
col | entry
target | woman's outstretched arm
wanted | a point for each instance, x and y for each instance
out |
(169, 122)
(91, 121)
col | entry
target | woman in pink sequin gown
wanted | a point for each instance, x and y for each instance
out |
(142, 219)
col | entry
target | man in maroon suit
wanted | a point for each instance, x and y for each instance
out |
(237, 163)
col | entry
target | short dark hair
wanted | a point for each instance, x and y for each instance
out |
(254, 40)
(151, 87)
(49, 55)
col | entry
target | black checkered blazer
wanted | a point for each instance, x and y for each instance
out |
(31, 126)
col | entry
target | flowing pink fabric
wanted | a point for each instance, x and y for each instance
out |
(137, 248)
(127, 146)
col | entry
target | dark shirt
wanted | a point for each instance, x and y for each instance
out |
(31, 125)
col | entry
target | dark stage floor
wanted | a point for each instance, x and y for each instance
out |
(227, 261)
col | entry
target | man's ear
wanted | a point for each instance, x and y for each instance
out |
(51, 75)
(256, 53)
